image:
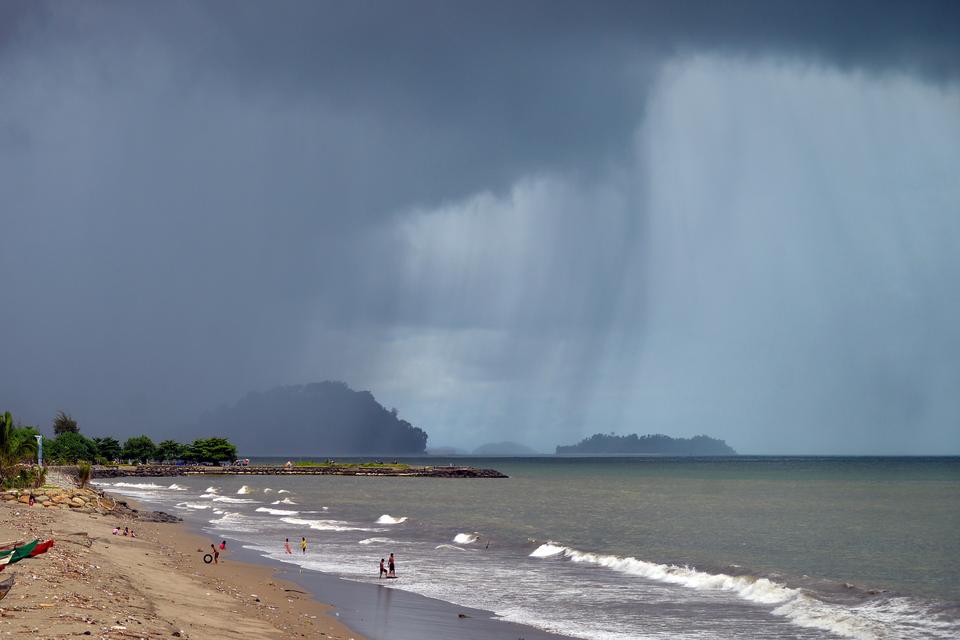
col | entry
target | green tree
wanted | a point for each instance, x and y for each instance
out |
(212, 450)
(139, 448)
(70, 447)
(170, 450)
(107, 448)
(16, 444)
(64, 423)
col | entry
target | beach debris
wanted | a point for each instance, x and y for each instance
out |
(462, 615)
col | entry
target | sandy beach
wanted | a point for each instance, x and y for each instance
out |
(92, 583)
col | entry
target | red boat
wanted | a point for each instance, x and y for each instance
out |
(42, 547)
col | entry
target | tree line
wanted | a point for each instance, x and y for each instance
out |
(18, 444)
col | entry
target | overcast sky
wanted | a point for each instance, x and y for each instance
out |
(510, 220)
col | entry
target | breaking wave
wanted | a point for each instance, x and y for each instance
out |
(466, 538)
(192, 505)
(234, 500)
(244, 490)
(277, 512)
(327, 525)
(873, 620)
(211, 489)
(283, 491)
(376, 541)
(388, 519)
(136, 485)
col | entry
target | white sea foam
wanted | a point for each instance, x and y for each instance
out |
(546, 550)
(388, 519)
(211, 489)
(234, 500)
(283, 491)
(449, 546)
(267, 490)
(874, 620)
(232, 521)
(193, 505)
(176, 487)
(376, 541)
(277, 512)
(209, 495)
(138, 485)
(285, 501)
(244, 490)
(466, 538)
(327, 525)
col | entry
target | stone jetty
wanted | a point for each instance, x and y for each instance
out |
(399, 471)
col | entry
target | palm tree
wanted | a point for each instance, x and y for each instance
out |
(15, 444)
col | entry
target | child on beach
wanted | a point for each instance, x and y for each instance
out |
(393, 567)
(303, 545)
(383, 569)
(223, 545)
(286, 546)
(216, 554)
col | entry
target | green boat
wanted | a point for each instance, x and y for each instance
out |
(18, 553)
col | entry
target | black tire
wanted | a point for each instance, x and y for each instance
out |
(207, 558)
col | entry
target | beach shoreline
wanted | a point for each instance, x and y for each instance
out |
(156, 585)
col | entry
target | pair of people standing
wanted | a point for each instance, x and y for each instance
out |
(303, 545)
(391, 569)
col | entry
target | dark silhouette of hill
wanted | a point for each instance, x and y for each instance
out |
(320, 418)
(658, 444)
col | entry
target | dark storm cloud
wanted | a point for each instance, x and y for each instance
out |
(200, 199)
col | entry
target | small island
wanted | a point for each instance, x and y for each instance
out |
(651, 444)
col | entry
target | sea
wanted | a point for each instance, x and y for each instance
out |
(619, 548)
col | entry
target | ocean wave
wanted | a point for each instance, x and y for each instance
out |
(466, 538)
(192, 505)
(376, 541)
(137, 485)
(277, 512)
(176, 487)
(211, 490)
(209, 495)
(267, 490)
(232, 521)
(449, 546)
(388, 519)
(234, 500)
(244, 490)
(327, 525)
(873, 620)
(283, 491)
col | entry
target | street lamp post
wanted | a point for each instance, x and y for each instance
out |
(39, 450)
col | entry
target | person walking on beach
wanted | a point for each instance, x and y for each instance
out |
(286, 546)
(303, 545)
(392, 563)
(383, 569)
(216, 554)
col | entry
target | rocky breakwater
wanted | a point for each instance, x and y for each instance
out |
(86, 500)
(169, 470)
(82, 500)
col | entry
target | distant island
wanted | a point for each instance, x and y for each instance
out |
(321, 418)
(506, 448)
(652, 444)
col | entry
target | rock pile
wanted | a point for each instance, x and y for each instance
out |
(86, 500)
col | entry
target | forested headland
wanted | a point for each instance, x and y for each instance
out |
(601, 443)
